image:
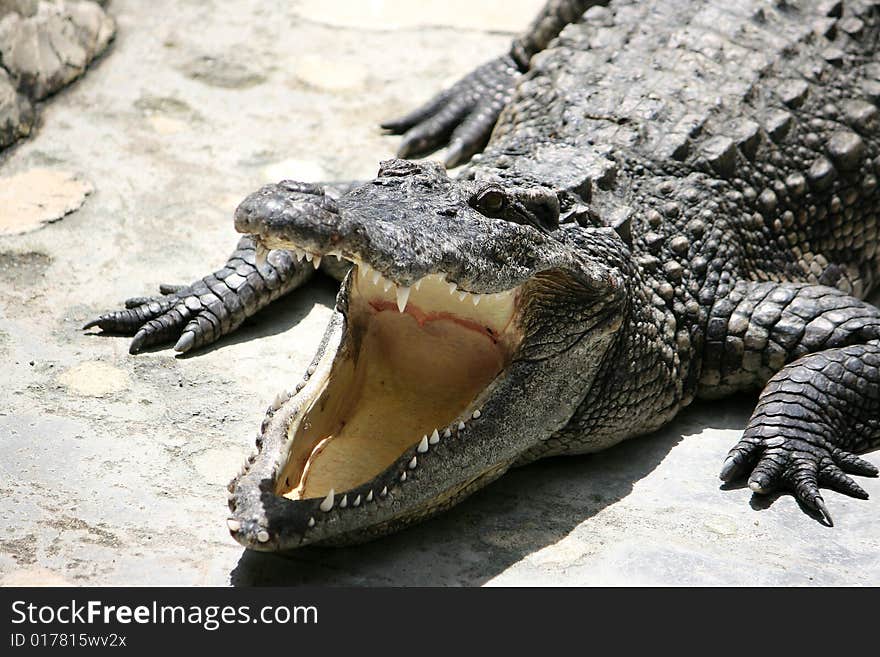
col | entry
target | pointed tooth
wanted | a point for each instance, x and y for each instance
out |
(461, 426)
(477, 413)
(417, 284)
(384, 492)
(260, 254)
(413, 463)
(363, 270)
(477, 298)
(434, 439)
(462, 295)
(234, 525)
(310, 370)
(343, 503)
(402, 298)
(376, 277)
(447, 433)
(387, 285)
(316, 262)
(327, 504)
(311, 522)
(452, 288)
(403, 476)
(423, 445)
(369, 497)
(357, 501)
(309, 256)
(263, 536)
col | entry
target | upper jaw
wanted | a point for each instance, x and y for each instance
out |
(405, 239)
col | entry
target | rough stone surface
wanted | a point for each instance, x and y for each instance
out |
(129, 488)
(37, 196)
(44, 45)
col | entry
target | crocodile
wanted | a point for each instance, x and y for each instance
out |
(659, 201)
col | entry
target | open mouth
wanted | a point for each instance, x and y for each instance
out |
(414, 364)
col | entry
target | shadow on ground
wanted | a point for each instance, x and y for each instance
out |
(528, 509)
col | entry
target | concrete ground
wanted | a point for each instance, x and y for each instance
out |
(113, 468)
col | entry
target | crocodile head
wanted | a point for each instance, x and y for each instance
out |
(468, 330)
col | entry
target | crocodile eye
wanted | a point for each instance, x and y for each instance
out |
(491, 202)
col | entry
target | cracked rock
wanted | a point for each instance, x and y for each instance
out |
(16, 113)
(49, 49)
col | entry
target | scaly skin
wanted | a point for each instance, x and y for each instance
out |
(734, 148)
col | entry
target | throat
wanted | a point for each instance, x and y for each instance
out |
(412, 373)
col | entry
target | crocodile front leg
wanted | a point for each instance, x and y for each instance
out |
(463, 115)
(810, 421)
(821, 405)
(198, 314)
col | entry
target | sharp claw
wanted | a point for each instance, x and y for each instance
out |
(186, 342)
(728, 469)
(454, 155)
(406, 149)
(136, 343)
(820, 505)
(757, 488)
(91, 324)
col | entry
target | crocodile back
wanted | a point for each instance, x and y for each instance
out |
(744, 132)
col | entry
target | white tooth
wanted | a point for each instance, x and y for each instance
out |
(327, 504)
(311, 522)
(477, 413)
(402, 298)
(376, 277)
(357, 501)
(417, 284)
(477, 298)
(260, 255)
(384, 491)
(311, 370)
(447, 433)
(309, 256)
(462, 295)
(297, 253)
(344, 502)
(234, 525)
(316, 262)
(369, 497)
(403, 476)
(423, 445)
(461, 426)
(434, 439)
(262, 536)
(363, 270)
(452, 288)
(388, 285)
(413, 463)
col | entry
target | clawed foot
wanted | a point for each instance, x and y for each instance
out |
(193, 316)
(462, 116)
(800, 464)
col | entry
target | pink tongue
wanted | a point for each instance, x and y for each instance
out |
(381, 305)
